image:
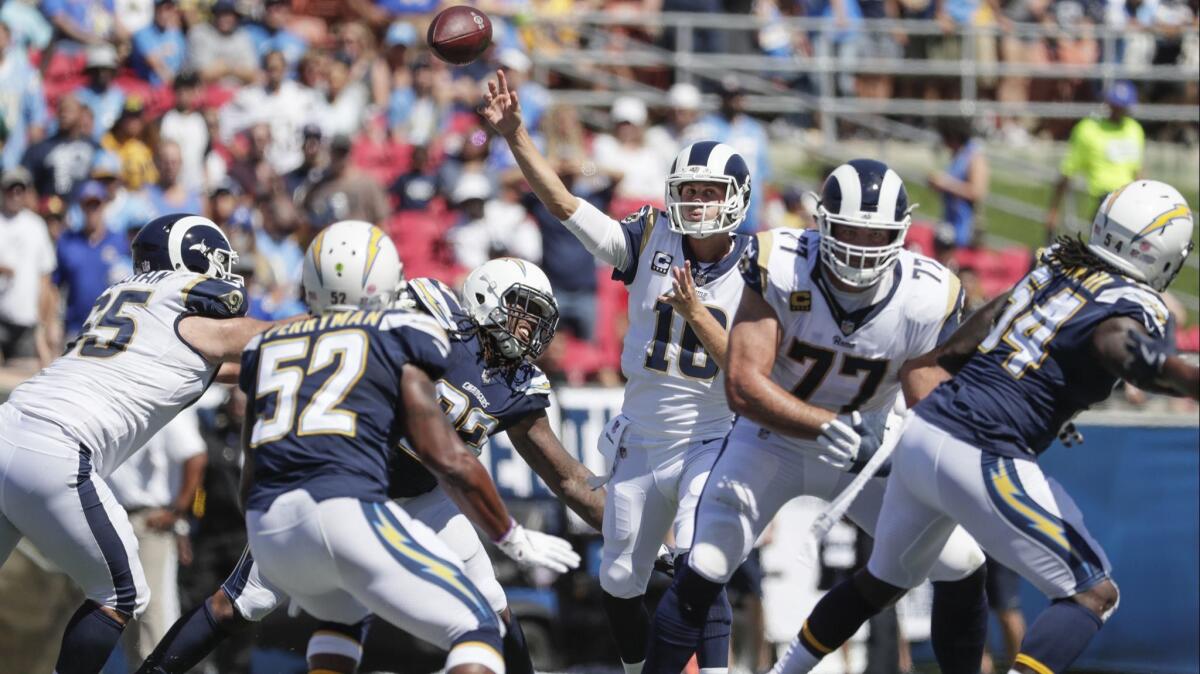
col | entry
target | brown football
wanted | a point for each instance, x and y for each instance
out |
(459, 34)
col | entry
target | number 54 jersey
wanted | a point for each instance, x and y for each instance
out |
(674, 389)
(844, 360)
(129, 372)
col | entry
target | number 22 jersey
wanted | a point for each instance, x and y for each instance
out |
(674, 389)
(130, 372)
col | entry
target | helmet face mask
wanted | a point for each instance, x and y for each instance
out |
(862, 201)
(512, 304)
(707, 162)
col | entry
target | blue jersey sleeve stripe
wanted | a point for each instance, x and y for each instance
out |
(432, 298)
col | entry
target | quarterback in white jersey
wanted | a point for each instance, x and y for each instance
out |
(153, 343)
(680, 266)
(817, 356)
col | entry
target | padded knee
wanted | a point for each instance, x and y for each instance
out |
(619, 579)
(719, 544)
(960, 558)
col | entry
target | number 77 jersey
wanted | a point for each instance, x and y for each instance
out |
(838, 358)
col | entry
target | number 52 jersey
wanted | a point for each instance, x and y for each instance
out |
(845, 360)
(129, 372)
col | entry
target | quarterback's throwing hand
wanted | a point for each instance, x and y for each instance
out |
(845, 439)
(533, 548)
(500, 106)
(683, 296)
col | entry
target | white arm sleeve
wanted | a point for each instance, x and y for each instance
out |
(599, 234)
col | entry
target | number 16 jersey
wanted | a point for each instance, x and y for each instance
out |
(674, 389)
(844, 360)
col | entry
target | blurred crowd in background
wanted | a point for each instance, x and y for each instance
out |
(278, 118)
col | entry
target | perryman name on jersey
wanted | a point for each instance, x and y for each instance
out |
(844, 360)
(129, 372)
(674, 389)
(479, 401)
(326, 400)
(1036, 369)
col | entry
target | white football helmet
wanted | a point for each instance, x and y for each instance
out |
(1145, 230)
(708, 161)
(351, 265)
(512, 302)
(865, 194)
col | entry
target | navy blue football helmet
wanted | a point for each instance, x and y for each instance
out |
(863, 193)
(708, 161)
(182, 241)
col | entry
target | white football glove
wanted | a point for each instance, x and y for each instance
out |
(533, 548)
(845, 439)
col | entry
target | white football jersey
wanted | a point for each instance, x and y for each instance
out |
(130, 372)
(846, 360)
(673, 387)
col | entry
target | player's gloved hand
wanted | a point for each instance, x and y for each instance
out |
(1149, 355)
(1069, 435)
(533, 548)
(847, 439)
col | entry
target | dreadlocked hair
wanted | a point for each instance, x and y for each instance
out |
(1070, 253)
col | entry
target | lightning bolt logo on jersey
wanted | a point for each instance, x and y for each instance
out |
(129, 372)
(673, 387)
(478, 401)
(845, 360)
(1035, 370)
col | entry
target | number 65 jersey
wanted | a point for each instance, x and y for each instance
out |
(674, 388)
(129, 372)
(844, 360)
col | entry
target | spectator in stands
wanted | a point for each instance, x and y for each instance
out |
(465, 152)
(1107, 151)
(127, 140)
(224, 208)
(285, 105)
(879, 45)
(732, 126)
(170, 194)
(160, 50)
(82, 22)
(185, 125)
(678, 129)
(89, 260)
(534, 97)
(964, 184)
(625, 153)
(705, 40)
(28, 300)
(223, 51)
(366, 66)
(417, 113)
(105, 99)
(276, 245)
(847, 39)
(30, 29)
(416, 189)
(272, 33)
(156, 487)
(398, 45)
(23, 113)
(343, 194)
(250, 167)
(313, 163)
(124, 210)
(489, 227)
(59, 163)
(344, 108)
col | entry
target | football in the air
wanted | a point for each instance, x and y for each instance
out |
(459, 34)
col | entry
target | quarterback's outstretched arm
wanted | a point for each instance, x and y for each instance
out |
(753, 342)
(536, 442)
(600, 234)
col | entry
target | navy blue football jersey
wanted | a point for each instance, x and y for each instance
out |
(1037, 368)
(479, 401)
(327, 401)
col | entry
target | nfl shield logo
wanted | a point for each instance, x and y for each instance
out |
(847, 327)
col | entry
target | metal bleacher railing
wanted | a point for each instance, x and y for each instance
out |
(834, 113)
